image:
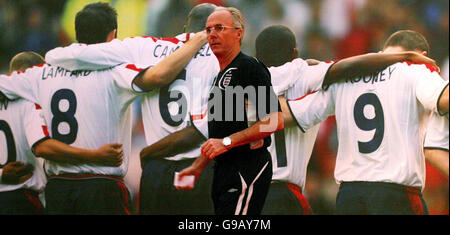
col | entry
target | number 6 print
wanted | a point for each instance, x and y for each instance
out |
(165, 97)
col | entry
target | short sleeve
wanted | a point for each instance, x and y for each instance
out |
(429, 86)
(35, 127)
(312, 109)
(312, 78)
(437, 133)
(200, 122)
(124, 77)
(283, 77)
(22, 84)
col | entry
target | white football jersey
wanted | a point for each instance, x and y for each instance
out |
(291, 148)
(169, 109)
(379, 122)
(85, 109)
(164, 110)
(437, 132)
(21, 127)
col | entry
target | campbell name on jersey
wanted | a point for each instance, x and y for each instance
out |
(380, 122)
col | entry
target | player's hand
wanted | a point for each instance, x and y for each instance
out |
(201, 35)
(16, 173)
(257, 144)
(416, 57)
(212, 148)
(191, 170)
(110, 155)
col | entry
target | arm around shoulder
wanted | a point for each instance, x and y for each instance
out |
(167, 70)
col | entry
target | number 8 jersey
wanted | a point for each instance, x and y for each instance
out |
(85, 109)
(380, 122)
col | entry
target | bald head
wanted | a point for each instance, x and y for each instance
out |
(276, 45)
(197, 17)
(20, 62)
(25, 60)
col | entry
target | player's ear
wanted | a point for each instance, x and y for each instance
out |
(111, 35)
(425, 53)
(295, 53)
(240, 33)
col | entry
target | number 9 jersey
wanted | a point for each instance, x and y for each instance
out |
(380, 122)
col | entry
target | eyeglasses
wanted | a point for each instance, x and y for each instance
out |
(218, 28)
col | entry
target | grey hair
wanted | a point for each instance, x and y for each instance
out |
(238, 18)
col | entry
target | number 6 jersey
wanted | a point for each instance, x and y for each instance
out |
(164, 110)
(380, 122)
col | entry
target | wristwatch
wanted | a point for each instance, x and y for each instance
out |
(226, 142)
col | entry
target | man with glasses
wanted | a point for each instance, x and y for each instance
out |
(243, 169)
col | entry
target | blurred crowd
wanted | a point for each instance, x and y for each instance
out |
(325, 30)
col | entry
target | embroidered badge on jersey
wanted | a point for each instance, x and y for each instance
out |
(226, 78)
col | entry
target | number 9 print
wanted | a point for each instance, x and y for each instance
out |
(376, 123)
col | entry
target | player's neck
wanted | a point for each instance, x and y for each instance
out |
(227, 58)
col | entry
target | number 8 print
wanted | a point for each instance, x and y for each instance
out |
(67, 116)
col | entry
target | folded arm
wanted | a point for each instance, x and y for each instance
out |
(54, 150)
(178, 142)
(260, 130)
